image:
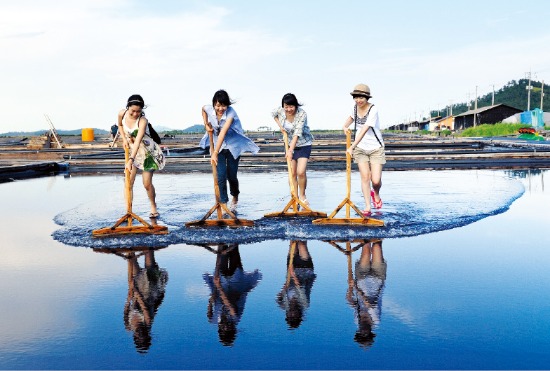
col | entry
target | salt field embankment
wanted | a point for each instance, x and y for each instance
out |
(403, 152)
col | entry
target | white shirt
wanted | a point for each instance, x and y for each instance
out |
(369, 141)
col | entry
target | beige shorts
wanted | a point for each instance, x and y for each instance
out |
(378, 156)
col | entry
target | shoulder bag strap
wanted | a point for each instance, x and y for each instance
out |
(370, 127)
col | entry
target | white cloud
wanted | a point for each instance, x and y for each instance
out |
(79, 61)
(79, 65)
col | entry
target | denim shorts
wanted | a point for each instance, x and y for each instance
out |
(301, 152)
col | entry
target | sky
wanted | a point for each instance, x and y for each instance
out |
(78, 61)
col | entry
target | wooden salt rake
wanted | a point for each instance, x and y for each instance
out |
(295, 201)
(129, 228)
(220, 208)
(363, 220)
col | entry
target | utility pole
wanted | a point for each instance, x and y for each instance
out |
(542, 95)
(475, 109)
(493, 100)
(529, 87)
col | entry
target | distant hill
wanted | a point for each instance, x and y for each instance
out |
(190, 130)
(195, 129)
(160, 128)
(513, 94)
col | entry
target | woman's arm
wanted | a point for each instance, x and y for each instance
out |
(121, 129)
(371, 120)
(291, 147)
(279, 124)
(276, 115)
(347, 123)
(358, 138)
(137, 141)
(207, 124)
(223, 132)
(219, 142)
(299, 122)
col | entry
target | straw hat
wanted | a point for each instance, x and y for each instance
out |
(361, 89)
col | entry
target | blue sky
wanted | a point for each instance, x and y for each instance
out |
(78, 61)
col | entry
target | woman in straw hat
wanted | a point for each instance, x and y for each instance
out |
(367, 148)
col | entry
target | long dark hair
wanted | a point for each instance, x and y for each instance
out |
(136, 100)
(291, 100)
(222, 98)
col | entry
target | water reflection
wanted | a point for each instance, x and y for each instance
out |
(530, 175)
(365, 287)
(294, 297)
(229, 286)
(146, 288)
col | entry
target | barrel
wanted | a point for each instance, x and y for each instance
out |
(88, 135)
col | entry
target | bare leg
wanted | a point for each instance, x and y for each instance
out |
(302, 250)
(365, 259)
(365, 173)
(376, 179)
(377, 256)
(293, 166)
(150, 188)
(301, 166)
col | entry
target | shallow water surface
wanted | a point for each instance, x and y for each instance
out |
(457, 279)
(415, 203)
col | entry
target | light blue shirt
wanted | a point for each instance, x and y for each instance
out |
(299, 127)
(235, 140)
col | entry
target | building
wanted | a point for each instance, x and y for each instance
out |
(444, 123)
(484, 115)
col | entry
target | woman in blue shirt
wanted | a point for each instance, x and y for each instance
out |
(229, 143)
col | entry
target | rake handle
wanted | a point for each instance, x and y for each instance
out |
(348, 172)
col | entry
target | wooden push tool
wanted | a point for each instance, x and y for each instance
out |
(220, 208)
(363, 220)
(292, 207)
(129, 228)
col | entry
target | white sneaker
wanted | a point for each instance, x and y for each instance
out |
(233, 206)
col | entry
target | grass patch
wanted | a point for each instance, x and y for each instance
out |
(493, 130)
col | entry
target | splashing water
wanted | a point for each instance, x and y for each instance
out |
(415, 203)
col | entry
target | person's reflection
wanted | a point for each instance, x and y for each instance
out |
(229, 286)
(295, 295)
(146, 288)
(365, 290)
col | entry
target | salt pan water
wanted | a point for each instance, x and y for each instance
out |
(457, 278)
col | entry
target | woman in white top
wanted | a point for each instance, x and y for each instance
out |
(144, 153)
(367, 148)
(293, 119)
